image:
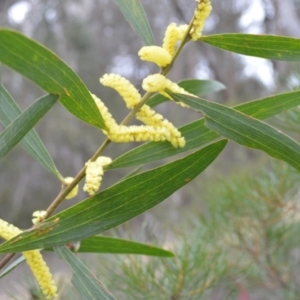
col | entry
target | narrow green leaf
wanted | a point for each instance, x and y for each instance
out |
(9, 111)
(116, 204)
(245, 130)
(13, 134)
(194, 86)
(12, 266)
(135, 15)
(48, 71)
(103, 244)
(264, 46)
(197, 134)
(84, 281)
(135, 171)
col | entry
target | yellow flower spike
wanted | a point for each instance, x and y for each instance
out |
(170, 39)
(155, 54)
(39, 216)
(94, 172)
(159, 83)
(155, 83)
(151, 118)
(181, 31)
(41, 272)
(8, 231)
(139, 134)
(123, 86)
(35, 261)
(173, 34)
(107, 117)
(104, 160)
(201, 14)
(74, 192)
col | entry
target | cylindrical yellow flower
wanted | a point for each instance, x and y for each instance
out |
(159, 83)
(74, 192)
(140, 133)
(93, 174)
(107, 117)
(173, 34)
(8, 231)
(181, 30)
(171, 38)
(155, 83)
(151, 118)
(126, 90)
(35, 261)
(41, 272)
(201, 14)
(155, 54)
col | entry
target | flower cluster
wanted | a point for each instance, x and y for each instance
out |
(156, 128)
(162, 56)
(122, 134)
(35, 261)
(93, 174)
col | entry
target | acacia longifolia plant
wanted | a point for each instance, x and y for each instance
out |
(77, 227)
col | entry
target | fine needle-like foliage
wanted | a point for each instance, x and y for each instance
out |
(200, 261)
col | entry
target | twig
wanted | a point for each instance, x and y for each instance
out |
(6, 259)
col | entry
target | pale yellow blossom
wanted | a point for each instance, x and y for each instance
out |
(109, 121)
(155, 54)
(35, 261)
(151, 118)
(155, 83)
(181, 31)
(201, 14)
(159, 83)
(93, 174)
(124, 87)
(8, 231)
(173, 35)
(38, 216)
(140, 133)
(171, 38)
(41, 272)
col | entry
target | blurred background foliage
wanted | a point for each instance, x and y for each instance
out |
(235, 228)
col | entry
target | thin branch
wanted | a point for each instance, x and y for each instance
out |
(6, 259)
